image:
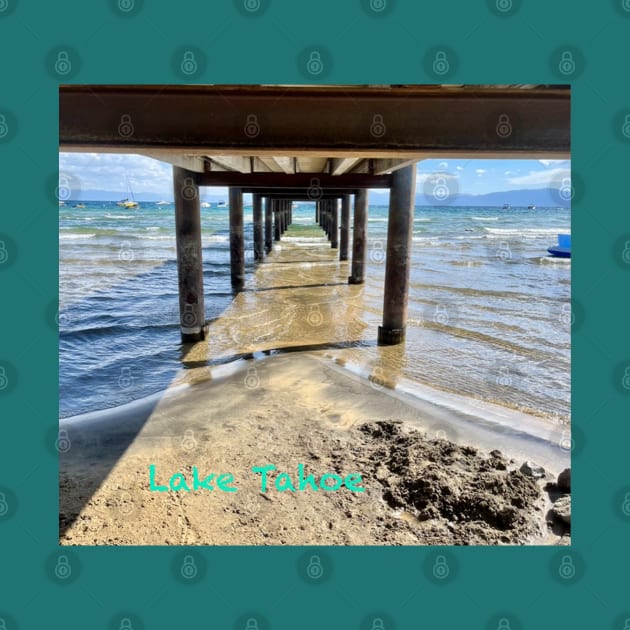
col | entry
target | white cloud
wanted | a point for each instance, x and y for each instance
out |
(541, 179)
(557, 163)
(480, 171)
(459, 168)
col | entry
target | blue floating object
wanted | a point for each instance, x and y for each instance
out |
(563, 248)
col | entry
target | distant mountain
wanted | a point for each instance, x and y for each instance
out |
(542, 197)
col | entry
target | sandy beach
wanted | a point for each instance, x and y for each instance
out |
(278, 382)
(301, 409)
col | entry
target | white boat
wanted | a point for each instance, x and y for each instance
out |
(205, 204)
(162, 203)
(222, 204)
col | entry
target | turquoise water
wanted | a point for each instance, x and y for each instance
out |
(489, 310)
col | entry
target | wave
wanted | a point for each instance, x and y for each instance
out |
(485, 218)
(74, 236)
(525, 231)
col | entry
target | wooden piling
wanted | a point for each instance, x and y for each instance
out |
(334, 223)
(398, 261)
(276, 219)
(344, 227)
(359, 237)
(258, 227)
(192, 314)
(268, 226)
(237, 242)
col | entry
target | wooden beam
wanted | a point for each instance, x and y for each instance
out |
(194, 163)
(344, 165)
(260, 166)
(297, 180)
(232, 163)
(380, 167)
(327, 121)
(311, 164)
(285, 163)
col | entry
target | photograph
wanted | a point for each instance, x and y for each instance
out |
(314, 315)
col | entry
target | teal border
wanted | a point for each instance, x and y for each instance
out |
(507, 41)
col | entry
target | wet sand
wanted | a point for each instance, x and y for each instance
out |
(299, 410)
(430, 468)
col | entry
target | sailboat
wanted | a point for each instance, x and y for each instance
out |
(129, 204)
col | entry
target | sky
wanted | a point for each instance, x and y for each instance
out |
(109, 171)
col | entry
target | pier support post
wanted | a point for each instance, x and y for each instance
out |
(237, 242)
(334, 224)
(258, 226)
(192, 315)
(359, 237)
(268, 226)
(398, 261)
(317, 212)
(327, 217)
(276, 219)
(343, 232)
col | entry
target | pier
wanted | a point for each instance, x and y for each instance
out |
(324, 144)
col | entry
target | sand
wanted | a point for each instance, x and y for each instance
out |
(290, 409)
